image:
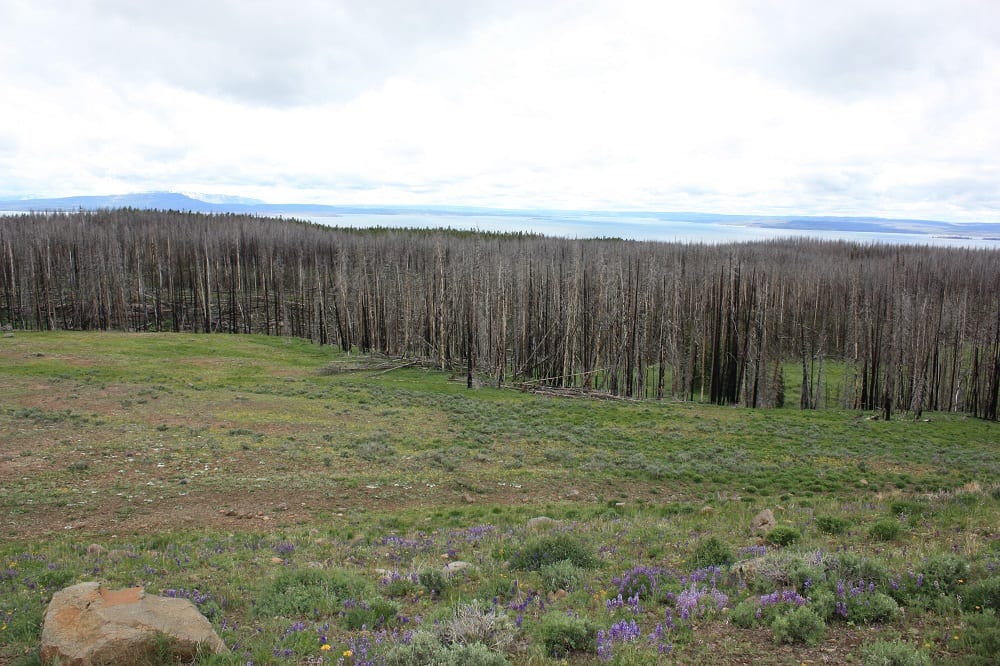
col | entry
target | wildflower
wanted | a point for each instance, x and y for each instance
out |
(325, 647)
(348, 653)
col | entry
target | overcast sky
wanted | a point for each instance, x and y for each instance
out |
(861, 107)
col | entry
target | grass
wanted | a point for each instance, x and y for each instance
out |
(296, 504)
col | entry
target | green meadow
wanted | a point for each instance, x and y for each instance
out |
(320, 507)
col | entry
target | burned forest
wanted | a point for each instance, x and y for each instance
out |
(885, 328)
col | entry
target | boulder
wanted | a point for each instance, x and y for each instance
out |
(86, 625)
(763, 522)
(453, 568)
(541, 522)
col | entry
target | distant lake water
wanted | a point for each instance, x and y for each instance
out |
(633, 227)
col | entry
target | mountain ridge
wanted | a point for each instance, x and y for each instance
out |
(163, 200)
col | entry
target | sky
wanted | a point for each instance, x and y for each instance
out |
(848, 107)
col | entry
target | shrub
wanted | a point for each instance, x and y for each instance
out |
(374, 614)
(745, 613)
(892, 653)
(400, 587)
(983, 595)
(424, 648)
(711, 552)
(853, 566)
(563, 575)
(981, 637)
(476, 654)
(553, 548)
(799, 625)
(641, 580)
(831, 524)
(780, 569)
(869, 607)
(476, 622)
(762, 610)
(497, 588)
(885, 530)
(822, 601)
(433, 580)
(936, 577)
(783, 535)
(303, 591)
(562, 633)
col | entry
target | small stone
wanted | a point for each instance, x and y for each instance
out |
(95, 549)
(277, 560)
(706, 510)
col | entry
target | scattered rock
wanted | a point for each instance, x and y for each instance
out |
(541, 522)
(706, 510)
(87, 624)
(468, 499)
(763, 522)
(95, 549)
(277, 560)
(117, 555)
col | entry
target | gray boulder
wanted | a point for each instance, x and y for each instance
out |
(86, 625)
(763, 522)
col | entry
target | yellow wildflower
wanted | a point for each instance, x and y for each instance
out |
(348, 653)
(325, 647)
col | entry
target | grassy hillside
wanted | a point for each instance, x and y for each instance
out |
(249, 472)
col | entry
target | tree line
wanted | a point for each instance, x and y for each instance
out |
(866, 326)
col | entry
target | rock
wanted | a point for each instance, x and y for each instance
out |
(541, 522)
(457, 566)
(95, 549)
(87, 624)
(763, 522)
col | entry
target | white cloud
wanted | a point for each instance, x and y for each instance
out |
(724, 105)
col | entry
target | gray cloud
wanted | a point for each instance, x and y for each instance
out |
(855, 48)
(259, 52)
